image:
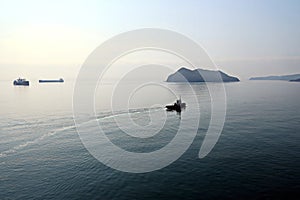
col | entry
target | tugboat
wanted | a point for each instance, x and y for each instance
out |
(177, 106)
(21, 81)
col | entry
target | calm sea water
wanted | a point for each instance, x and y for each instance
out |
(256, 157)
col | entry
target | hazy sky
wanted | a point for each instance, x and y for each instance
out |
(52, 38)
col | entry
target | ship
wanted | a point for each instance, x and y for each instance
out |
(52, 81)
(21, 81)
(177, 106)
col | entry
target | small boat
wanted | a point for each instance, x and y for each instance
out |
(177, 106)
(52, 81)
(21, 81)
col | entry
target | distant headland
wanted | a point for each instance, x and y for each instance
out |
(280, 78)
(200, 75)
(295, 80)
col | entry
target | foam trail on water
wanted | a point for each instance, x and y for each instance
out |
(25, 144)
(130, 111)
(54, 132)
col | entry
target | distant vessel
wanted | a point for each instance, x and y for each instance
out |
(21, 81)
(177, 106)
(52, 81)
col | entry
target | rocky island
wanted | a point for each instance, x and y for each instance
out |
(200, 75)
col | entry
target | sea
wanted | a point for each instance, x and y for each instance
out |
(257, 155)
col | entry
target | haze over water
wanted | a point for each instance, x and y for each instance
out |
(43, 150)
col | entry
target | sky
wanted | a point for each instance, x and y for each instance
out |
(51, 39)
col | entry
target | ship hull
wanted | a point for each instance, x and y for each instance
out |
(51, 81)
(178, 106)
(173, 108)
(24, 83)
